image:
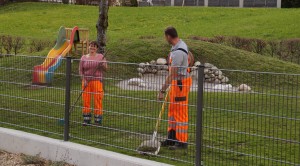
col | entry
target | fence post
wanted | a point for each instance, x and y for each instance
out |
(67, 99)
(199, 134)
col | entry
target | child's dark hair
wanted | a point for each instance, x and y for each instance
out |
(94, 43)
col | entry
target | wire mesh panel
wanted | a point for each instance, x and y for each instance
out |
(130, 112)
(254, 120)
(248, 118)
(27, 106)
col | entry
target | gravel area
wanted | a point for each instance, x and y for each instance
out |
(12, 159)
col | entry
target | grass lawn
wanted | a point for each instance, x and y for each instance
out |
(42, 20)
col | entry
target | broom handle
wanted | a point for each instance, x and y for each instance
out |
(162, 110)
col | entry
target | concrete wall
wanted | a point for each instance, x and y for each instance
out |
(56, 150)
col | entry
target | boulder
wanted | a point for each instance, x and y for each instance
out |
(220, 77)
(208, 65)
(217, 81)
(197, 63)
(136, 82)
(152, 62)
(161, 61)
(222, 87)
(218, 72)
(244, 87)
(140, 70)
(207, 76)
(154, 71)
(165, 67)
(206, 71)
(162, 73)
(142, 65)
(214, 69)
(225, 80)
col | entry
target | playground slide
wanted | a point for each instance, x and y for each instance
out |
(43, 74)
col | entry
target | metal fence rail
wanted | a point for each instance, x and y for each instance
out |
(228, 125)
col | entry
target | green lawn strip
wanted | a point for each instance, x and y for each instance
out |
(119, 117)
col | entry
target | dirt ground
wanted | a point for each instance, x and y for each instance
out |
(11, 159)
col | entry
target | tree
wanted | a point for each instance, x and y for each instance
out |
(102, 25)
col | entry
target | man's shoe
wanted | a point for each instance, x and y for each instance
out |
(167, 142)
(178, 145)
(171, 139)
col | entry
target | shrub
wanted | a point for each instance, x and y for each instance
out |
(37, 45)
(241, 43)
(220, 39)
(273, 47)
(259, 45)
(17, 43)
(7, 44)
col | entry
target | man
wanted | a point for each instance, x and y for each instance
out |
(180, 83)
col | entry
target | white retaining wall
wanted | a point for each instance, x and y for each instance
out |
(56, 150)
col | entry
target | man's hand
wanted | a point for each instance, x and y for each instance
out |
(160, 96)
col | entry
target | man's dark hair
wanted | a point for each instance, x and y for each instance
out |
(171, 31)
(94, 43)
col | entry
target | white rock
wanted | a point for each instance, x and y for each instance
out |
(244, 87)
(197, 63)
(214, 69)
(208, 65)
(162, 73)
(222, 87)
(220, 77)
(161, 61)
(217, 81)
(152, 62)
(142, 65)
(207, 76)
(140, 70)
(165, 67)
(225, 80)
(140, 75)
(136, 82)
(218, 72)
(206, 71)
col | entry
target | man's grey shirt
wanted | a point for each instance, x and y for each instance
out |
(180, 58)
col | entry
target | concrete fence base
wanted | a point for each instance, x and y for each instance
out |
(21, 142)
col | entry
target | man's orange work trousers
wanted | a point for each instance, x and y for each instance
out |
(94, 88)
(178, 108)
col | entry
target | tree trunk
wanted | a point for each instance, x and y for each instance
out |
(102, 25)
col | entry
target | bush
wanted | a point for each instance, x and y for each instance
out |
(17, 43)
(290, 4)
(241, 43)
(259, 45)
(37, 45)
(7, 44)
